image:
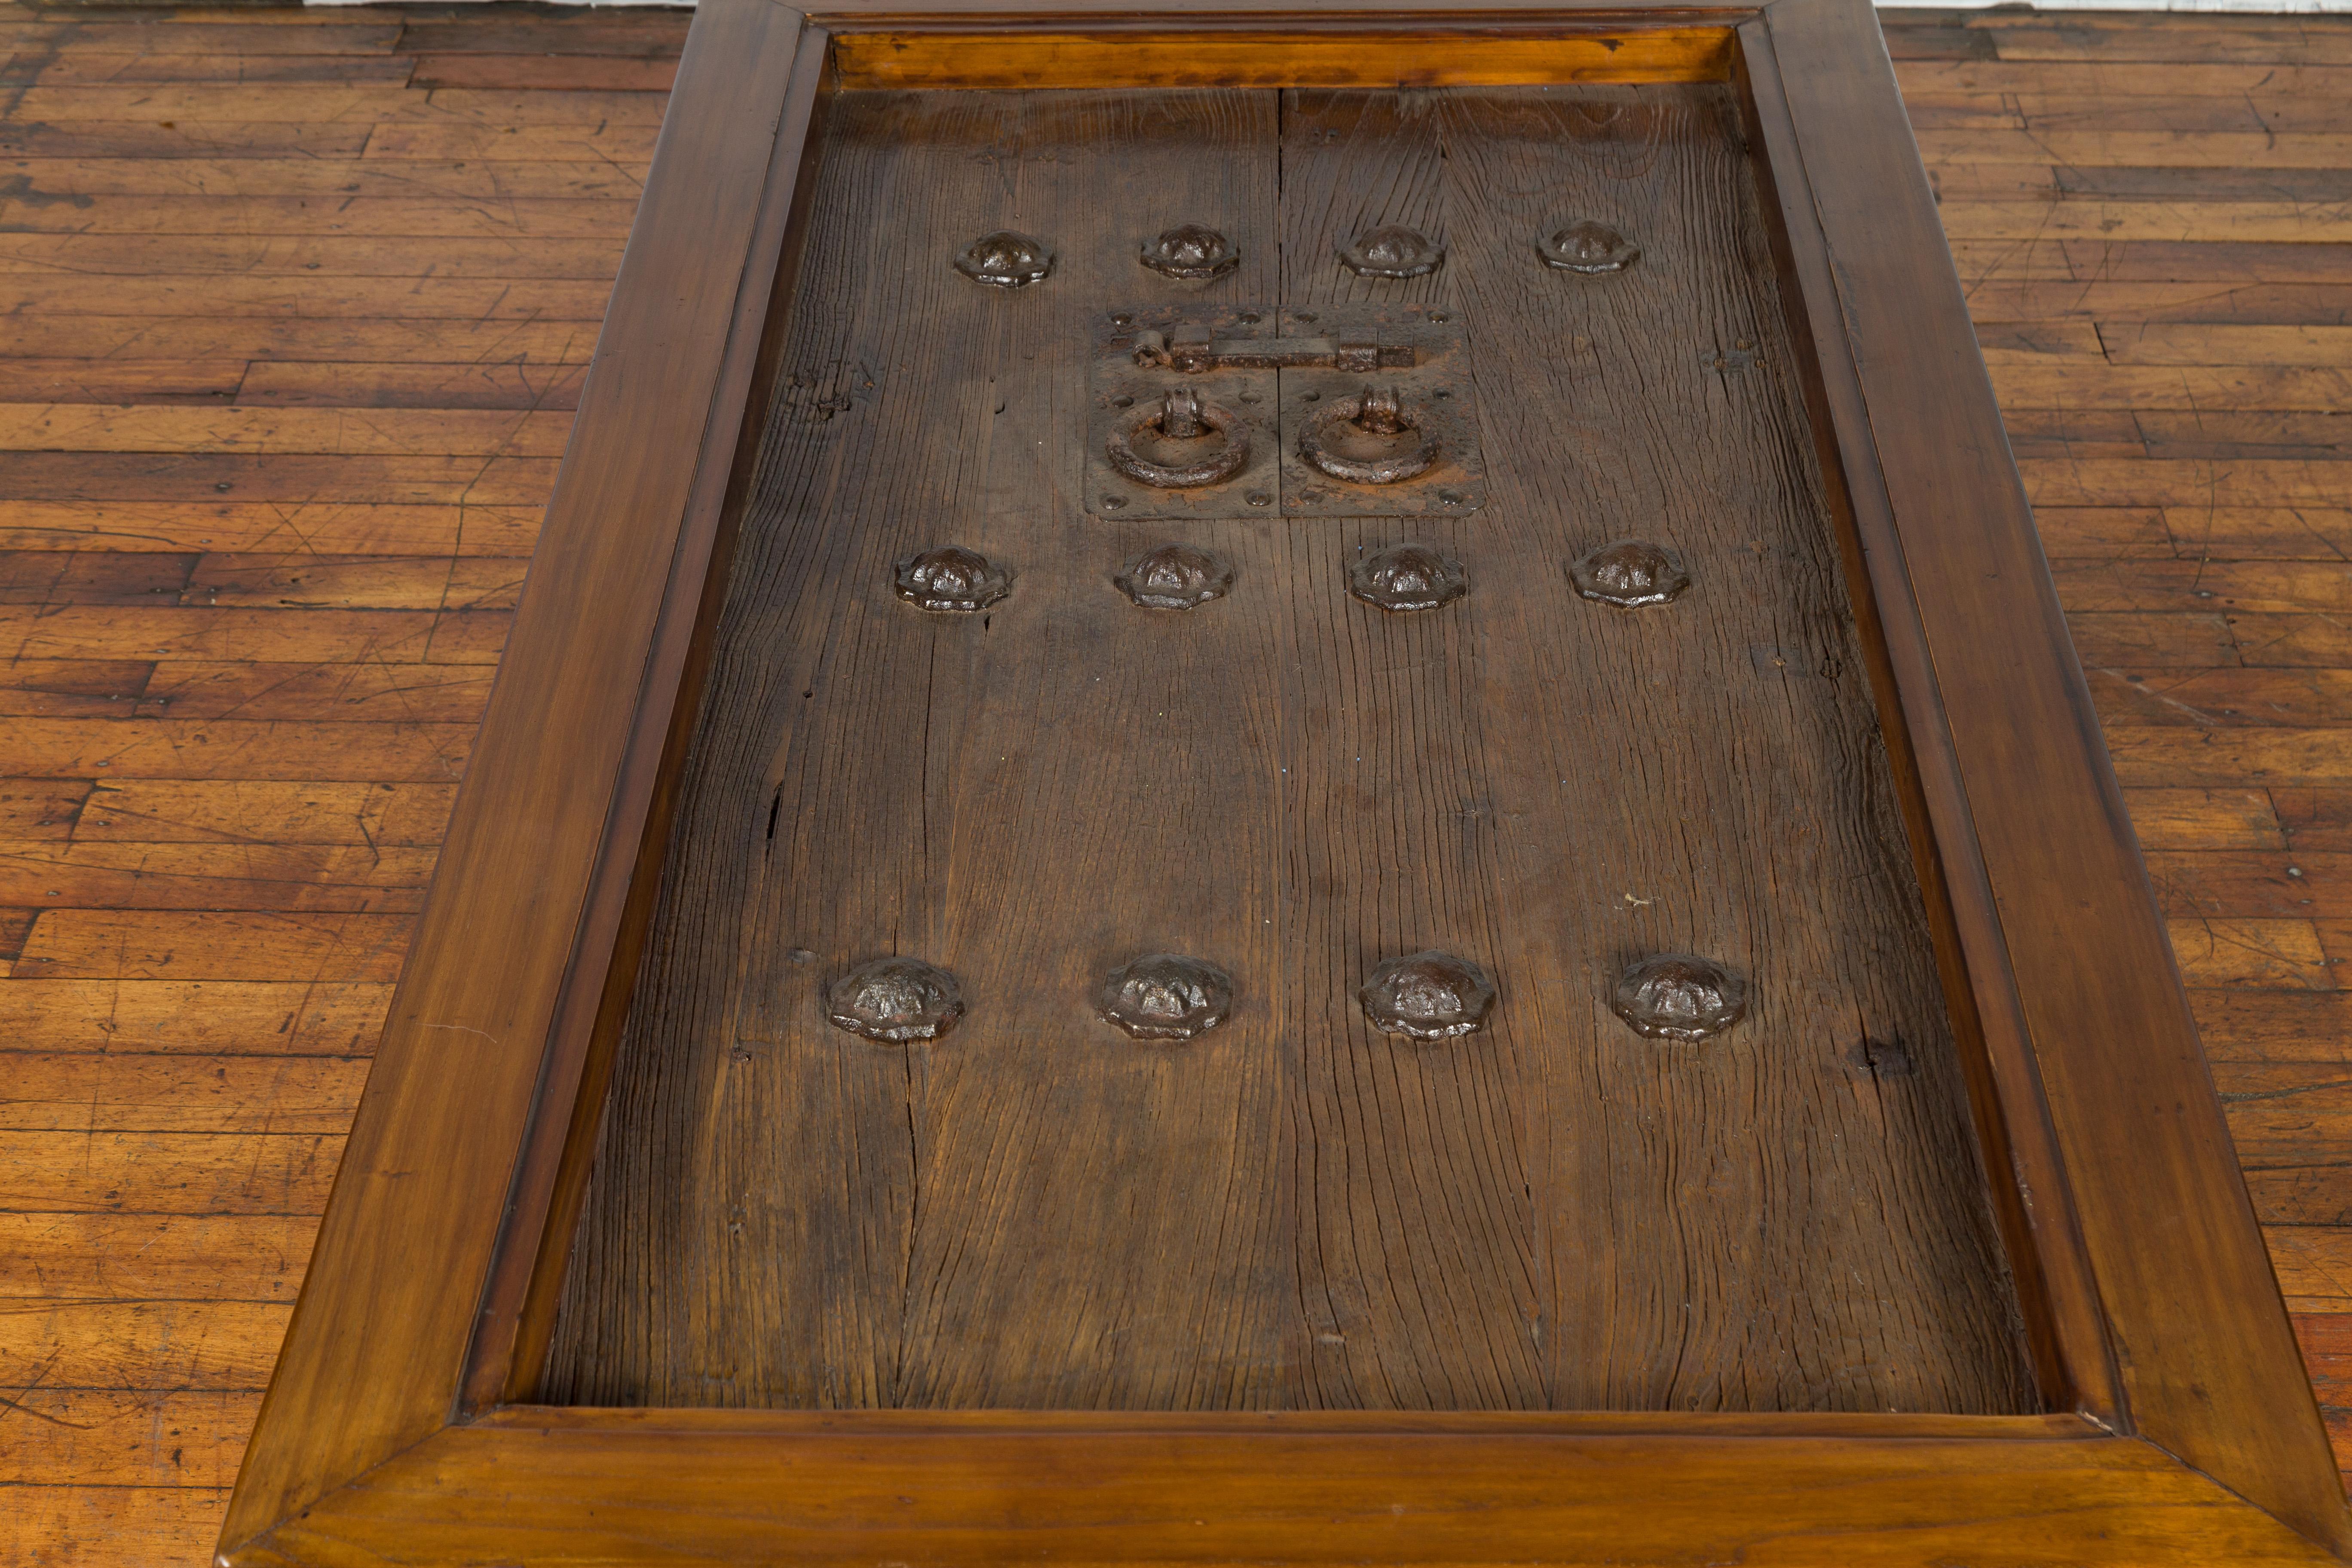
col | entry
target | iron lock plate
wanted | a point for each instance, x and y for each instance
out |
(1273, 377)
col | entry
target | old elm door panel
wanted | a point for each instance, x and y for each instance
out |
(1361, 766)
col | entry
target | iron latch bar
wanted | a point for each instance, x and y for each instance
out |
(1192, 351)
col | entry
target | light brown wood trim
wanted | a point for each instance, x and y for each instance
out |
(2209, 1364)
(519, 1306)
(1237, 1424)
(2031, 1191)
(1229, 58)
(373, 1357)
(1298, 17)
(590, 1490)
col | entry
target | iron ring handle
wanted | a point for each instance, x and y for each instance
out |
(1375, 411)
(1181, 417)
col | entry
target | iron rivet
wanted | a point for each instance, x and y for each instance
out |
(1305, 318)
(1428, 995)
(1006, 258)
(1449, 497)
(1122, 401)
(894, 1000)
(1311, 396)
(1392, 250)
(1114, 503)
(1249, 397)
(1176, 577)
(1259, 498)
(1167, 997)
(1629, 574)
(1190, 250)
(952, 579)
(1408, 578)
(1121, 319)
(1678, 996)
(1249, 317)
(1439, 316)
(1586, 246)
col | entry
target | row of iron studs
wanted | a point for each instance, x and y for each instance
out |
(1168, 996)
(1007, 259)
(1627, 573)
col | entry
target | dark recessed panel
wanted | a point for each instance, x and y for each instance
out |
(1455, 956)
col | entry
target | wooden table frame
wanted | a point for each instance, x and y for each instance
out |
(398, 1427)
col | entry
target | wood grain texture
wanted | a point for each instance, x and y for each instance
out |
(469, 1043)
(1297, 1212)
(1134, 58)
(2128, 1089)
(143, 1479)
(1292, 1491)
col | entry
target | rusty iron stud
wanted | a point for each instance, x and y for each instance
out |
(1589, 246)
(1391, 250)
(1182, 418)
(1679, 996)
(1006, 258)
(1630, 573)
(952, 579)
(1176, 577)
(1167, 997)
(1428, 995)
(894, 1000)
(1190, 251)
(1408, 578)
(1367, 440)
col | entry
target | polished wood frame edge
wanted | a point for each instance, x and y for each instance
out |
(1218, 1427)
(2134, 1084)
(375, 1356)
(509, 1350)
(596, 1490)
(1244, 53)
(2031, 1198)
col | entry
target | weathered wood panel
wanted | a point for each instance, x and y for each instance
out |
(1298, 1211)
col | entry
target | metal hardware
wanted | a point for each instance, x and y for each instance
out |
(894, 1000)
(1408, 578)
(1368, 439)
(1679, 996)
(1006, 258)
(1167, 997)
(1278, 379)
(1191, 350)
(1630, 573)
(1392, 250)
(952, 579)
(1428, 995)
(1190, 251)
(1434, 394)
(1589, 246)
(1175, 430)
(1176, 577)
(1741, 355)
(1130, 404)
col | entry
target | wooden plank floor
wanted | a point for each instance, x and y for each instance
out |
(299, 303)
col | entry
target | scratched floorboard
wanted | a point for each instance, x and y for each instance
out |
(235, 714)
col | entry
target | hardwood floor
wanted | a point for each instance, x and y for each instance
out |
(297, 307)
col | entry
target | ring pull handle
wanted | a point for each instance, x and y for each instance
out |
(1368, 439)
(1180, 422)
